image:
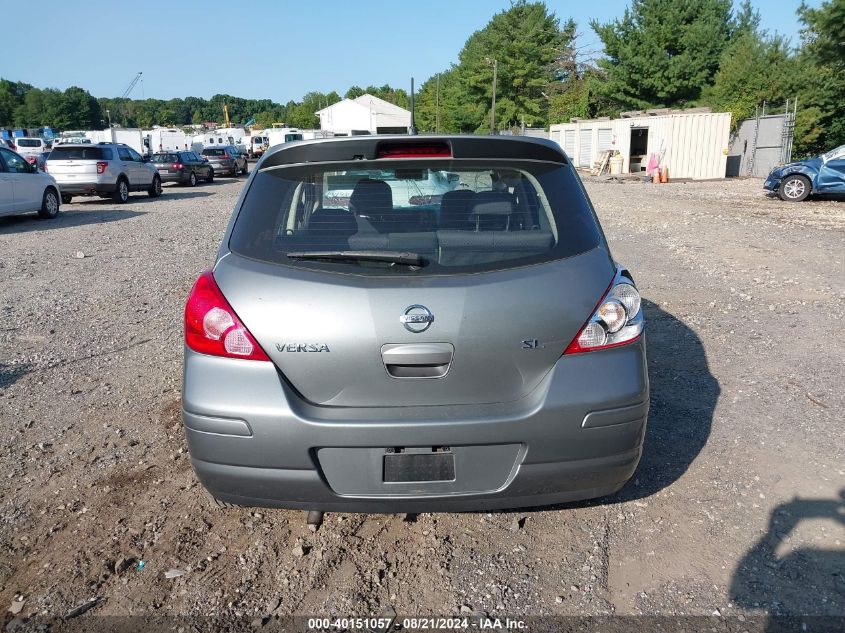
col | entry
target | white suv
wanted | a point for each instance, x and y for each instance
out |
(102, 169)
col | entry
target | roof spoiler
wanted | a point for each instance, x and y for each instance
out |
(375, 147)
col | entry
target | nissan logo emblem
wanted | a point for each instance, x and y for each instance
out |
(416, 318)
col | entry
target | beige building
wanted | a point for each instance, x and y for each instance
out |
(690, 143)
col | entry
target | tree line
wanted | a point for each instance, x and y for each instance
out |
(659, 53)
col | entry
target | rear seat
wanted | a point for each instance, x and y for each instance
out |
(473, 247)
(423, 243)
(336, 229)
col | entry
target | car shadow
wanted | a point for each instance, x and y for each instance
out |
(69, 217)
(184, 195)
(785, 577)
(683, 398)
(10, 374)
(827, 197)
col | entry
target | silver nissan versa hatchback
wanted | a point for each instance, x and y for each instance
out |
(409, 324)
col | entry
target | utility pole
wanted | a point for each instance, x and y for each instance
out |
(493, 109)
(437, 106)
(111, 129)
(412, 130)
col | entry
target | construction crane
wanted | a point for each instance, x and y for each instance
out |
(226, 121)
(131, 85)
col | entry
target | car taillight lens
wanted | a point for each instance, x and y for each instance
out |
(212, 327)
(101, 167)
(177, 166)
(617, 320)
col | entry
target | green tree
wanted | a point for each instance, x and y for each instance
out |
(663, 52)
(76, 109)
(354, 92)
(525, 41)
(753, 68)
(819, 81)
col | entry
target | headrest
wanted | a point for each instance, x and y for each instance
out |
(492, 203)
(371, 196)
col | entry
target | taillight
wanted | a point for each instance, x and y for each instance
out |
(414, 150)
(212, 327)
(101, 167)
(617, 320)
(177, 166)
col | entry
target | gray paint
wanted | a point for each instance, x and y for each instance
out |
(769, 142)
(518, 419)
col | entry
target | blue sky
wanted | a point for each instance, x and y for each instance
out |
(265, 48)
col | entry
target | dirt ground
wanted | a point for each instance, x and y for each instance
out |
(737, 508)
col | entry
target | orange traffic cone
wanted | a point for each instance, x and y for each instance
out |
(655, 177)
(664, 175)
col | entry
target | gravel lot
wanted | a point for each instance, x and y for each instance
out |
(738, 507)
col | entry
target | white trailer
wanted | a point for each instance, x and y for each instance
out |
(309, 135)
(279, 135)
(163, 139)
(133, 137)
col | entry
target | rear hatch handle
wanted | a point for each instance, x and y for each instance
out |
(417, 360)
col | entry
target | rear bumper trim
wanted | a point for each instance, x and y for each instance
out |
(215, 425)
(611, 417)
(533, 485)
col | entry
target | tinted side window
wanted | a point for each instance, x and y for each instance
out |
(80, 152)
(14, 163)
(123, 154)
(135, 155)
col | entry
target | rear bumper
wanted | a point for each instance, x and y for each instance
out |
(578, 435)
(223, 168)
(86, 188)
(176, 176)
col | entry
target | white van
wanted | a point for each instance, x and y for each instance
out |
(30, 145)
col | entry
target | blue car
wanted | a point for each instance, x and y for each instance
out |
(820, 174)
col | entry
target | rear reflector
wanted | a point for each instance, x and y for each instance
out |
(414, 150)
(213, 328)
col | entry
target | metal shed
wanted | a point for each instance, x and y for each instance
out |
(691, 144)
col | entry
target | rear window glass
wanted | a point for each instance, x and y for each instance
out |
(292, 137)
(214, 152)
(80, 152)
(456, 216)
(29, 142)
(165, 158)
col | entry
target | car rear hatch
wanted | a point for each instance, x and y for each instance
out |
(340, 340)
(77, 161)
(218, 159)
(379, 297)
(166, 163)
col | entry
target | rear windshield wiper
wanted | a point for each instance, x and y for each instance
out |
(390, 257)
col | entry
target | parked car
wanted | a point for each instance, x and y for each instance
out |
(30, 145)
(821, 174)
(369, 354)
(38, 160)
(226, 159)
(23, 188)
(102, 169)
(184, 167)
